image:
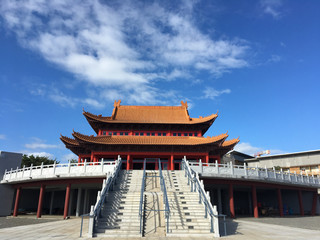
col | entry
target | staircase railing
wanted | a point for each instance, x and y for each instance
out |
(165, 195)
(204, 197)
(141, 204)
(108, 184)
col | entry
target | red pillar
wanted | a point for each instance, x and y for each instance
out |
(254, 202)
(207, 158)
(280, 202)
(92, 157)
(79, 159)
(314, 204)
(66, 201)
(219, 160)
(231, 201)
(41, 194)
(300, 203)
(16, 204)
(171, 162)
(128, 162)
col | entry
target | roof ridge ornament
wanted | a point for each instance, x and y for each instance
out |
(117, 103)
(184, 104)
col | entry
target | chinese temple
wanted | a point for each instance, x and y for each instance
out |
(139, 132)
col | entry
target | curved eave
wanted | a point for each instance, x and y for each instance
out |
(92, 118)
(150, 140)
(69, 141)
(230, 143)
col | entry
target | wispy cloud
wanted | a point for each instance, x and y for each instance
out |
(247, 148)
(69, 156)
(40, 144)
(41, 154)
(272, 7)
(211, 93)
(274, 58)
(2, 137)
(120, 48)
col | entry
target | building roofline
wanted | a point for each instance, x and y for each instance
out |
(283, 155)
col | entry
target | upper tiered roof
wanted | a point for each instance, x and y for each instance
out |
(174, 115)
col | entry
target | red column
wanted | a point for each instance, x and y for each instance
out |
(231, 201)
(92, 157)
(128, 162)
(314, 204)
(16, 204)
(41, 194)
(219, 160)
(280, 202)
(79, 159)
(207, 158)
(300, 203)
(171, 162)
(254, 202)
(66, 201)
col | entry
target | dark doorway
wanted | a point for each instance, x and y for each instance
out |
(137, 165)
(176, 166)
(150, 166)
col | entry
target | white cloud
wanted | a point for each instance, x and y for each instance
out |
(69, 156)
(247, 148)
(274, 58)
(2, 137)
(272, 7)
(251, 150)
(40, 144)
(41, 154)
(211, 93)
(119, 49)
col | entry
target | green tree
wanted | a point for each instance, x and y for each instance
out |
(73, 160)
(36, 160)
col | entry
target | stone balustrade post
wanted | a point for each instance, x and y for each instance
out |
(231, 168)
(30, 173)
(102, 164)
(54, 167)
(91, 222)
(69, 166)
(216, 222)
(85, 166)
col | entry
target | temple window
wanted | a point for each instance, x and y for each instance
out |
(126, 133)
(179, 134)
(115, 133)
(109, 133)
(121, 133)
(190, 134)
(153, 134)
(148, 134)
(137, 134)
(104, 133)
(185, 134)
(141, 134)
(174, 134)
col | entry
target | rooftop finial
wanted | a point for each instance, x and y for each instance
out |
(184, 104)
(117, 103)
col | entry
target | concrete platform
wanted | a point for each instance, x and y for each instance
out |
(238, 229)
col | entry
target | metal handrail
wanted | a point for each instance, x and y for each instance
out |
(141, 204)
(165, 195)
(107, 185)
(197, 186)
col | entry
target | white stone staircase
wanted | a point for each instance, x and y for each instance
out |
(187, 215)
(120, 213)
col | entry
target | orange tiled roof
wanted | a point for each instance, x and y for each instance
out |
(230, 143)
(150, 114)
(70, 141)
(149, 140)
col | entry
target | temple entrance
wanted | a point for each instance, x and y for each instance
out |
(150, 166)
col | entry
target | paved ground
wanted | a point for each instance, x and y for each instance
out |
(245, 228)
(7, 222)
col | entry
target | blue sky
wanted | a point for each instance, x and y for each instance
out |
(257, 62)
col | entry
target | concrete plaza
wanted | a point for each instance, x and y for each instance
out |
(242, 228)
